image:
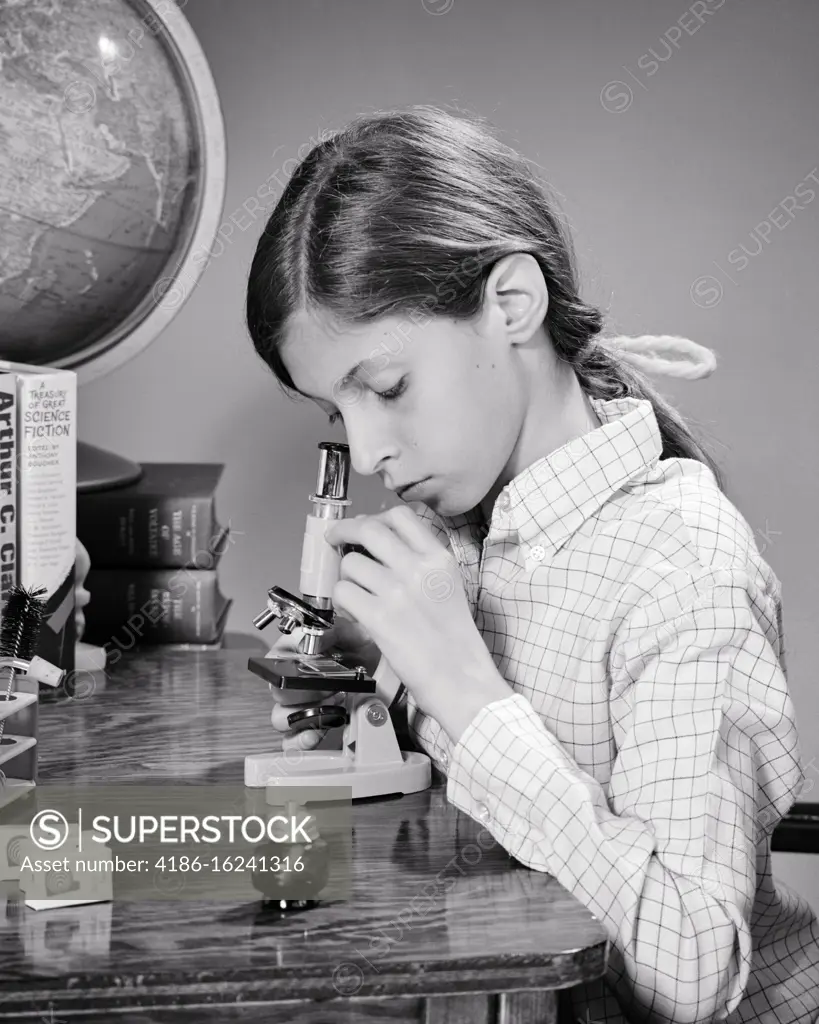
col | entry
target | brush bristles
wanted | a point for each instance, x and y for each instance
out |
(21, 621)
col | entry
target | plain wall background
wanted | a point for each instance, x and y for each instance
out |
(673, 140)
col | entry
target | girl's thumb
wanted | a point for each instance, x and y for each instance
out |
(305, 740)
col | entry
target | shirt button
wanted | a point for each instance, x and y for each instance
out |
(503, 502)
(538, 552)
(445, 760)
(483, 813)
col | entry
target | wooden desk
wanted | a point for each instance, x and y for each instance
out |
(496, 947)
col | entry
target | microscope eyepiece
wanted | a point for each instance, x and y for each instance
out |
(334, 470)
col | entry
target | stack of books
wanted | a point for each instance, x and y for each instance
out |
(154, 547)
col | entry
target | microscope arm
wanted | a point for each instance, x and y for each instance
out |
(387, 684)
(392, 691)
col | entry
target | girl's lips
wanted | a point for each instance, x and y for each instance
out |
(404, 491)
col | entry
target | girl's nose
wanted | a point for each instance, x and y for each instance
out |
(369, 448)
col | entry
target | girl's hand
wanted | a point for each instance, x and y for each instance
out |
(410, 599)
(81, 595)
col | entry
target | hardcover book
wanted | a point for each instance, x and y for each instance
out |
(133, 607)
(166, 519)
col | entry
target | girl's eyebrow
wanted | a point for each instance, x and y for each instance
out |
(352, 372)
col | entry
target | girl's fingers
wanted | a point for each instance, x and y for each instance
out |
(302, 740)
(306, 740)
(348, 635)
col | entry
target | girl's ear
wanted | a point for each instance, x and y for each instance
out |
(517, 287)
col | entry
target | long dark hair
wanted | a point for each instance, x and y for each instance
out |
(406, 212)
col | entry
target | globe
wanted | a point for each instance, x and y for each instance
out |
(112, 177)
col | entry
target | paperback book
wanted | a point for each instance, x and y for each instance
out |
(39, 496)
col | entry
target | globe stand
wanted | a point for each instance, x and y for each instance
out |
(101, 470)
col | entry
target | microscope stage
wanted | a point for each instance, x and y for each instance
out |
(308, 672)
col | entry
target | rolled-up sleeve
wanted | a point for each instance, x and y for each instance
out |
(666, 854)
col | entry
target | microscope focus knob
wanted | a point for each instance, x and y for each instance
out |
(327, 716)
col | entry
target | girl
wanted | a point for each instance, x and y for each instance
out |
(591, 643)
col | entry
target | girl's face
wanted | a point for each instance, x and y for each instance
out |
(441, 401)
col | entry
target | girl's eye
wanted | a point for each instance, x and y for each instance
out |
(394, 392)
(385, 396)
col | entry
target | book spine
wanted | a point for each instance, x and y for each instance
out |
(148, 531)
(47, 503)
(8, 486)
(25, 723)
(129, 607)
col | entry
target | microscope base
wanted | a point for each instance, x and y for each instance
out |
(329, 769)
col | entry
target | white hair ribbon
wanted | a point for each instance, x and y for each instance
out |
(665, 354)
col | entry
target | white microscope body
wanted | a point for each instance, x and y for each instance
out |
(365, 759)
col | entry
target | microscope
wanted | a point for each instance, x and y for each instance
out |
(365, 760)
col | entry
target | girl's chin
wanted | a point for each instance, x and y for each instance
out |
(443, 504)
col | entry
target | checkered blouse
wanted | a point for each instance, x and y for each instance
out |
(650, 746)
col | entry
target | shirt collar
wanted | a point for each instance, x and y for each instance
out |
(549, 501)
